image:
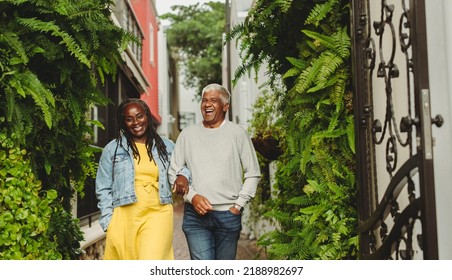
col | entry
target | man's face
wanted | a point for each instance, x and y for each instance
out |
(213, 109)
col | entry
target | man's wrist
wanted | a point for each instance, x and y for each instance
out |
(238, 207)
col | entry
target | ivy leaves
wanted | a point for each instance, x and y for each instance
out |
(25, 209)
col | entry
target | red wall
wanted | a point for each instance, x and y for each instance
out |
(146, 16)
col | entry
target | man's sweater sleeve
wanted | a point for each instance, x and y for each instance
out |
(177, 162)
(178, 165)
(251, 170)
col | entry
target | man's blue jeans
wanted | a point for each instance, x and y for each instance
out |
(213, 236)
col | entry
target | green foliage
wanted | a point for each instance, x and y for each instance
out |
(66, 232)
(270, 34)
(18, 81)
(263, 122)
(195, 37)
(315, 201)
(25, 209)
(53, 57)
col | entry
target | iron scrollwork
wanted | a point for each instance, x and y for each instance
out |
(391, 226)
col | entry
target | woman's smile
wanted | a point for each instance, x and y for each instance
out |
(136, 122)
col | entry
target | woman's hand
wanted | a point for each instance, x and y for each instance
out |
(181, 185)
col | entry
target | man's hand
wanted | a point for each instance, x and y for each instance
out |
(201, 204)
(181, 185)
(234, 211)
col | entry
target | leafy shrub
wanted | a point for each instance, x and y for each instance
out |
(316, 203)
(25, 209)
(54, 58)
(307, 43)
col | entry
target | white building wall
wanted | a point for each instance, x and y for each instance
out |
(164, 84)
(246, 90)
(189, 104)
(439, 44)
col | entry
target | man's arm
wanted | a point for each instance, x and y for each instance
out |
(179, 175)
(251, 170)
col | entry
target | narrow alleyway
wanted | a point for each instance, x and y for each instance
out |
(246, 250)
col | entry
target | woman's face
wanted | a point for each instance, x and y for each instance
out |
(136, 121)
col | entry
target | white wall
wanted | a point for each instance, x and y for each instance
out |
(188, 102)
(246, 90)
(164, 84)
(439, 41)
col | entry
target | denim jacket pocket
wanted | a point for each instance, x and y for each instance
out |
(120, 157)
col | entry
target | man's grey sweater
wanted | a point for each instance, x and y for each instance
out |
(222, 162)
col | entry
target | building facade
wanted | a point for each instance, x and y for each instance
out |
(137, 77)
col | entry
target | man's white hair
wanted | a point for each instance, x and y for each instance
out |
(225, 95)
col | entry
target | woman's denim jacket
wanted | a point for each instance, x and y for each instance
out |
(117, 187)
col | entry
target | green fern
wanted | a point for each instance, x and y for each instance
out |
(27, 84)
(259, 36)
(315, 177)
(74, 106)
(295, 71)
(11, 40)
(66, 39)
(320, 11)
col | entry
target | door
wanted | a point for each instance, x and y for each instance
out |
(397, 218)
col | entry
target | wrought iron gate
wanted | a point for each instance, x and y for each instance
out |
(397, 218)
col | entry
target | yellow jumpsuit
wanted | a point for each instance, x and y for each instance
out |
(142, 230)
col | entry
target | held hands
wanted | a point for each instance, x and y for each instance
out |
(180, 186)
(201, 204)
